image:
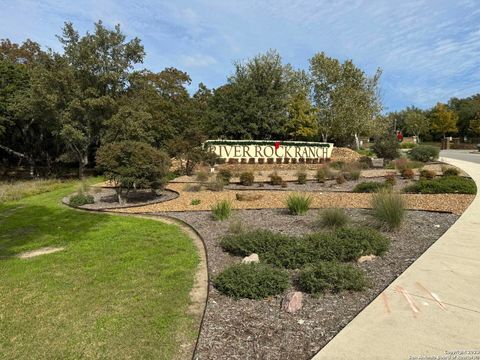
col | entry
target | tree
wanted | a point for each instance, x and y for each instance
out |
(443, 120)
(253, 103)
(302, 118)
(416, 122)
(475, 124)
(132, 165)
(467, 109)
(346, 99)
(95, 73)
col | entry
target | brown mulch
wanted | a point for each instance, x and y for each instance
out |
(248, 329)
(455, 203)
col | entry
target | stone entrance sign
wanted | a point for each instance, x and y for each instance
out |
(265, 151)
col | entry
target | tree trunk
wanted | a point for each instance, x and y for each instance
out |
(357, 141)
(81, 166)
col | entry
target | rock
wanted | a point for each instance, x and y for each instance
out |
(365, 258)
(253, 258)
(292, 302)
(377, 163)
(301, 321)
(248, 196)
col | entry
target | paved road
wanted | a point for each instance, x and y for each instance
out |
(434, 306)
(465, 155)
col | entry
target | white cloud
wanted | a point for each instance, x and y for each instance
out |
(197, 60)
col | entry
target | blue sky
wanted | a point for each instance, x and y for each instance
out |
(429, 50)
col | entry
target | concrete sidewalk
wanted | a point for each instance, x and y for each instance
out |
(433, 307)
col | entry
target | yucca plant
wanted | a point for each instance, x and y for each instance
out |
(298, 204)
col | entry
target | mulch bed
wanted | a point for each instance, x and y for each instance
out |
(248, 329)
(105, 198)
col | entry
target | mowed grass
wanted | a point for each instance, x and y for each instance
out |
(119, 290)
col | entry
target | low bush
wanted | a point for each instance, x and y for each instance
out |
(236, 227)
(407, 173)
(302, 177)
(443, 185)
(298, 204)
(225, 176)
(247, 178)
(332, 218)
(342, 244)
(275, 179)
(284, 184)
(390, 179)
(80, 199)
(215, 185)
(193, 187)
(370, 186)
(407, 145)
(340, 179)
(332, 276)
(195, 202)
(450, 171)
(323, 174)
(427, 174)
(365, 162)
(424, 153)
(337, 165)
(202, 176)
(221, 210)
(351, 174)
(251, 281)
(388, 209)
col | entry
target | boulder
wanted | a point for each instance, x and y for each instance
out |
(292, 302)
(365, 258)
(253, 258)
(248, 196)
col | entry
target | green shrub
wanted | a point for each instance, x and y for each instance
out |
(427, 174)
(225, 176)
(195, 202)
(365, 162)
(370, 186)
(215, 185)
(275, 179)
(332, 276)
(247, 178)
(424, 153)
(407, 145)
(386, 146)
(284, 184)
(388, 209)
(343, 244)
(370, 240)
(337, 165)
(443, 185)
(324, 173)
(407, 173)
(251, 281)
(221, 210)
(202, 176)
(236, 227)
(450, 171)
(80, 199)
(298, 204)
(302, 177)
(333, 218)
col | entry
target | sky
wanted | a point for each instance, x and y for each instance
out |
(428, 50)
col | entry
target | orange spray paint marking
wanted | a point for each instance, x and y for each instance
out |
(385, 302)
(432, 295)
(407, 297)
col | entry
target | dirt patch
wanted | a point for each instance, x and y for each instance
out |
(248, 329)
(38, 252)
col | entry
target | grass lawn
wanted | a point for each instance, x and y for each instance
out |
(119, 290)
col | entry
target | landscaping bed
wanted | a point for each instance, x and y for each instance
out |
(106, 198)
(240, 329)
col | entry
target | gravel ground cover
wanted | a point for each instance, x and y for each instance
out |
(455, 203)
(248, 329)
